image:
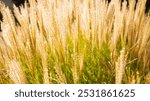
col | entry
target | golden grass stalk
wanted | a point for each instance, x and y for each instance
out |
(42, 49)
(15, 72)
(60, 74)
(120, 66)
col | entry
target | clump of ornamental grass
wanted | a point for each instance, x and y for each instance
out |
(75, 41)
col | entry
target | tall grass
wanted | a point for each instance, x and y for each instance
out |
(75, 41)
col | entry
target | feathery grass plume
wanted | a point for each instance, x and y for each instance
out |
(135, 78)
(120, 66)
(117, 23)
(15, 72)
(61, 77)
(145, 43)
(1, 5)
(42, 50)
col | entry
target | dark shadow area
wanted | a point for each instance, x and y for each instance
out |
(147, 6)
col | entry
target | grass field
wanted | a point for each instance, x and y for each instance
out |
(75, 42)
